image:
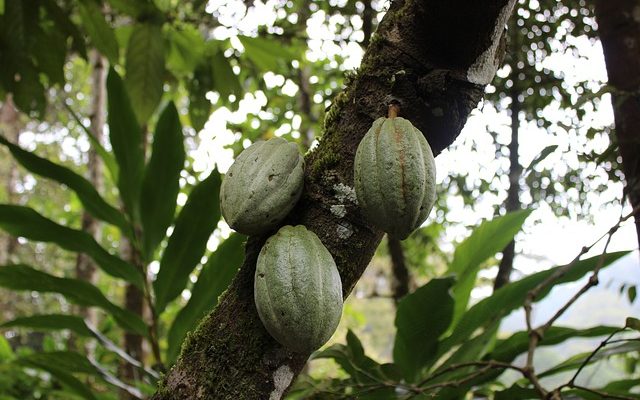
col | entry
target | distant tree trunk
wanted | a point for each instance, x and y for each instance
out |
(619, 29)
(134, 301)
(10, 127)
(367, 23)
(85, 267)
(513, 193)
(433, 57)
(400, 272)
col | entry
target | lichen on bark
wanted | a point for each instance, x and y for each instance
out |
(419, 57)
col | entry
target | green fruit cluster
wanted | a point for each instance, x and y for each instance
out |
(297, 287)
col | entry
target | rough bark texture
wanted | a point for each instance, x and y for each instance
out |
(10, 128)
(85, 267)
(420, 56)
(513, 193)
(619, 28)
(400, 272)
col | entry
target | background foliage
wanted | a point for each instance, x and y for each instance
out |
(189, 85)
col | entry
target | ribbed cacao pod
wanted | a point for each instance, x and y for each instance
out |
(262, 186)
(297, 289)
(395, 174)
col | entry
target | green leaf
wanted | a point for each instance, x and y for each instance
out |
(199, 105)
(6, 354)
(633, 323)
(580, 359)
(422, 317)
(26, 222)
(186, 48)
(486, 240)
(195, 223)
(67, 380)
(518, 343)
(540, 157)
(126, 140)
(225, 81)
(145, 69)
(160, 185)
(1, 7)
(48, 322)
(513, 295)
(631, 293)
(49, 52)
(98, 30)
(214, 278)
(89, 197)
(517, 392)
(61, 20)
(266, 54)
(68, 361)
(107, 158)
(23, 277)
(353, 361)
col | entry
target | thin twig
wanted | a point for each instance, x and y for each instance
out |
(604, 395)
(536, 334)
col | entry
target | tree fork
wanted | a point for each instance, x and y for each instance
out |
(434, 58)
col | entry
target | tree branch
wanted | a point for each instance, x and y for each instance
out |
(434, 58)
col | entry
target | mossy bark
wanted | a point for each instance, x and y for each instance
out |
(419, 57)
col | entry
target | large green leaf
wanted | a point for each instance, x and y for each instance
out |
(46, 322)
(265, 53)
(145, 69)
(513, 295)
(214, 278)
(90, 198)
(160, 185)
(99, 31)
(587, 358)
(186, 48)
(23, 277)
(508, 349)
(225, 81)
(485, 241)
(422, 317)
(65, 378)
(354, 361)
(126, 140)
(68, 361)
(195, 223)
(107, 158)
(26, 222)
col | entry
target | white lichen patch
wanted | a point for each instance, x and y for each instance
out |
(345, 193)
(344, 231)
(484, 68)
(339, 210)
(281, 381)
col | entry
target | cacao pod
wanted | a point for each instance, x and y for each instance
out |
(297, 289)
(262, 186)
(394, 176)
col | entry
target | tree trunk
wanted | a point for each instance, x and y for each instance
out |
(10, 127)
(434, 58)
(85, 267)
(132, 342)
(400, 272)
(513, 193)
(619, 29)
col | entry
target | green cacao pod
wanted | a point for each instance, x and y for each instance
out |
(262, 186)
(395, 174)
(297, 289)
